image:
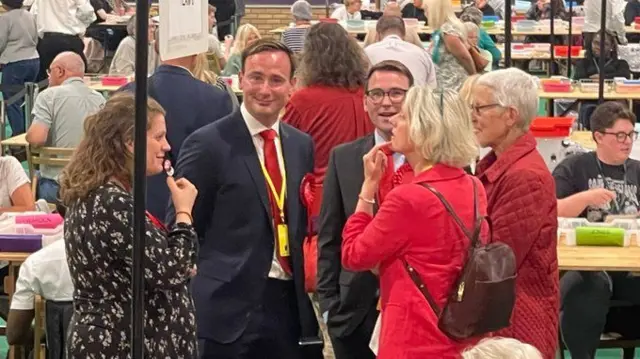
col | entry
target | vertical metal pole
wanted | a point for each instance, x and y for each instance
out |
(139, 179)
(3, 122)
(570, 38)
(603, 39)
(552, 24)
(507, 33)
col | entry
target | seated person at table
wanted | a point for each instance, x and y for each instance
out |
(214, 42)
(15, 190)
(247, 34)
(485, 42)
(44, 273)
(104, 13)
(294, 36)
(541, 10)
(484, 6)
(593, 185)
(414, 10)
(58, 115)
(589, 67)
(124, 60)
(349, 11)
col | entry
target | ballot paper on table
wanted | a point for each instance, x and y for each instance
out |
(184, 29)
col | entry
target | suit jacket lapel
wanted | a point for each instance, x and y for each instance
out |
(292, 167)
(251, 160)
(367, 145)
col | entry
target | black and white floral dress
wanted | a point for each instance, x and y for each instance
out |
(98, 236)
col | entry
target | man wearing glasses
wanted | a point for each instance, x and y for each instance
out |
(594, 185)
(348, 300)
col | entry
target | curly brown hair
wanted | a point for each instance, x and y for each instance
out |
(103, 154)
(331, 57)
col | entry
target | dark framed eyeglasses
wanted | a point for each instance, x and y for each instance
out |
(477, 109)
(622, 136)
(396, 95)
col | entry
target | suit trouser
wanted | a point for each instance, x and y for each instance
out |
(356, 344)
(585, 302)
(52, 44)
(272, 332)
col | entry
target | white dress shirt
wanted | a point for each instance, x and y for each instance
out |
(341, 14)
(417, 60)
(43, 273)
(59, 16)
(255, 127)
(614, 17)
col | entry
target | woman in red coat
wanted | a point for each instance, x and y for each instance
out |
(522, 201)
(434, 134)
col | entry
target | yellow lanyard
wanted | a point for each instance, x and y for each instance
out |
(279, 198)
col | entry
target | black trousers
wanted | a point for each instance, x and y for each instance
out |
(585, 303)
(356, 344)
(272, 332)
(52, 44)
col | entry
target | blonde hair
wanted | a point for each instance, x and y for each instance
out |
(102, 153)
(440, 12)
(439, 126)
(202, 71)
(242, 37)
(502, 348)
(467, 87)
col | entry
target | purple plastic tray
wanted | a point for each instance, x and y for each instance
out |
(20, 242)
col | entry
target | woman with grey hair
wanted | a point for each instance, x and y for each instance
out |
(124, 60)
(522, 200)
(485, 42)
(412, 230)
(502, 348)
(294, 36)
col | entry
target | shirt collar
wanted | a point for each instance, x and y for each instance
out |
(392, 37)
(378, 139)
(439, 172)
(180, 67)
(72, 79)
(254, 126)
(493, 167)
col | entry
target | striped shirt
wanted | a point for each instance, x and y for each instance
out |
(294, 37)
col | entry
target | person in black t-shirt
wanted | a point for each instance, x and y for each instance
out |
(414, 10)
(593, 185)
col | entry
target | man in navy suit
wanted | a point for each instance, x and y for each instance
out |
(247, 167)
(190, 104)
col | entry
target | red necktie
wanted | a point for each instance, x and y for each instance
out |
(273, 169)
(392, 177)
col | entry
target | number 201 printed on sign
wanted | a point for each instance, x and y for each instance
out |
(188, 2)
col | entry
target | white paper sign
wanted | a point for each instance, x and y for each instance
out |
(183, 28)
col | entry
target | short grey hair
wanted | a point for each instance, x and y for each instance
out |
(514, 88)
(498, 348)
(131, 26)
(471, 27)
(440, 127)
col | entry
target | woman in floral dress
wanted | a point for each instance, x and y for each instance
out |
(96, 188)
(449, 48)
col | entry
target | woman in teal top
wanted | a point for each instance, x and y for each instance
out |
(247, 34)
(474, 15)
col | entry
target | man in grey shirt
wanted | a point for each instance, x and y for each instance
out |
(18, 57)
(59, 113)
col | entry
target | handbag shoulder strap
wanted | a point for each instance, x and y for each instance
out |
(413, 274)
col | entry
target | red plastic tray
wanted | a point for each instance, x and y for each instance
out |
(553, 86)
(551, 126)
(114, 81)
(564, 50)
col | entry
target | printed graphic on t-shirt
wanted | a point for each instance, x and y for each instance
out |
(626, 201)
